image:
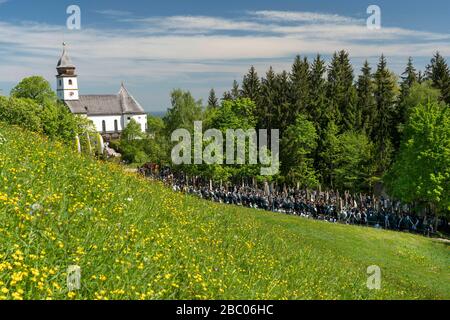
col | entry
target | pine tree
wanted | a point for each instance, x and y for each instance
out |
(341, 91)
(251, 85)
(409, 77)
(213, 102)
(366, 99)
(384, 99)
(235, 92)
(318, 109)
(227, 96)
(300, 87)
(266, 104)
(321, 114)
(284, 115)
(439, 74)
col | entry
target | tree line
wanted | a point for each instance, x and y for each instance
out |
(338, 130)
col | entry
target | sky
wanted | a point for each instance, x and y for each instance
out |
(157, 46)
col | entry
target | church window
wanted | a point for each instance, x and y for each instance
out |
(60, 83)
(71, 94)
(116, 126)
(104, 126)
(70, 82)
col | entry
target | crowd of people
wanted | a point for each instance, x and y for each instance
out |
(330, 206)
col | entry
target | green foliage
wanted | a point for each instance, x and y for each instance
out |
(251, 85)
(439, 74)
(300, 141)
(385, 96)
(366, 100)
(33, 105)
(35, 88)
(421, 173)
(22, 112)
(184, 111)
(352, 161)
(132, 131)
(341, 92)
(213, 102)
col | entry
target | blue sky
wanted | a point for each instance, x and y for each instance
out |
(155, 46)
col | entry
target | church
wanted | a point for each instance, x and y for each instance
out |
(109, 113)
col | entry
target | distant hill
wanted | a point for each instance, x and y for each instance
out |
(136, 239)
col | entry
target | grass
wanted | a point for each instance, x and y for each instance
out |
(135, 239)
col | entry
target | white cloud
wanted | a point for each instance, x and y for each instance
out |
(311, 17)
(200, 48)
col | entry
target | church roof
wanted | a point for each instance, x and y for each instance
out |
(64, 61)
(92, 105)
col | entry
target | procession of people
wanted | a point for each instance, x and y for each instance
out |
(330, 206)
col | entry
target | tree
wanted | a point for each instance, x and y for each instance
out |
(284, 113)
(421, 172)
(133, 131)
(21, 112)
(300, 87)
(251, 85)
(35, 88)
(341, 91)
(184, 112)
(227, 96)
(366, 99)
(409, 78)
(352, 161)
(385, 114)
(235, 91)
(300, 140)
(266, 104)
(438, 72)
(326, 153)
(233, 114)
(213, 102)
(419, 93)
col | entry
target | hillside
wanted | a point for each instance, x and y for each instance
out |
(135, 239)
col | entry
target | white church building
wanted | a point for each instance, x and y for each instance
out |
(109, 113)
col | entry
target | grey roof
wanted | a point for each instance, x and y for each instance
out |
(64, 61)
(91, 105)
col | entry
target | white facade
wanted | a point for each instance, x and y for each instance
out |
(117, 123)
(67, 88)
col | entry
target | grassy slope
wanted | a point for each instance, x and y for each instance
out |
(135, 239)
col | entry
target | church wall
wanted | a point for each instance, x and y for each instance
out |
(109, 121)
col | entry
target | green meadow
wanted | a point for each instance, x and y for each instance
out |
(136, 239)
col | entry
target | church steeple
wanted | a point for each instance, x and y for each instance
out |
(67, 81)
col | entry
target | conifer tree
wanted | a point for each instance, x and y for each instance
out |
(383, 129)
(227, 96)
(409, 78)
(366, 99)
(341, 91)
(300, 87)
(266, 104)
(318, 109)
(251, 85)
(213, 102)
(235, 92)
(439, 74)
(284, 114)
